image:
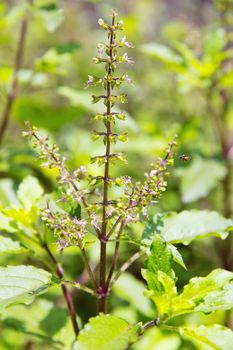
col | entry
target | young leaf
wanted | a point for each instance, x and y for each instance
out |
(189, 225)
(216, 336)
(164, 297)
(8, 246)
(206, 294)
(20, 284)
(177, 257)
(29, 192)
(106, 332)
(159, 259)
(160, 277)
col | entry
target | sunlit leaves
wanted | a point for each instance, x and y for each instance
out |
(20, 284)
(51, 15)
(163, 54)
(198, 179)
(54, 63)
(8, 246)
(106, 332)
(192, 71)
(155, 339)
(5, 74)
(159, 259)
(20, 218)
(186, 226)
(189, 225)
(29, 192)
(216, 336)
(206, 294)
(159, 276)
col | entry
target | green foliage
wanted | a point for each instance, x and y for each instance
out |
(216, 336)
(21, 284)
(89, 224)
(51, 15)
(197, 180)
(21, 218)
(186, 226)
(29, 192)
(155, 339)
(206, 294)
(107, 332)
(8, 246)
(189, 225)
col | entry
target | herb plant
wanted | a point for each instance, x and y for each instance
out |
(88, 212)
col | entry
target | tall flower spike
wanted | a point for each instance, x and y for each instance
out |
(108, 54)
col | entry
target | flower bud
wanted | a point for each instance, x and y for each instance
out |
(101, 22)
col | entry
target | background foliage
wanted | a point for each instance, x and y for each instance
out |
(183, 82)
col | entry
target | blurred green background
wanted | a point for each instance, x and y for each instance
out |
(182, 84)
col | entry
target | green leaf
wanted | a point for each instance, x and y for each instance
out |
(20, 284)
(76, 211)
(152, 225)
(198, 179)
(5, 74)
(189, 225)
(164, 297)
(160, 277)
(215, 44)
(216, 336)
(52, 17)
(177, 257)
(206, 294)
(201, 68)
(163, 54)
(8, 246)
(106, 332)
(155, 339)
(29, 192)
(49, 7)
(6, 223)
(7, 193)
(68, 47)
(226, 79)
(44, 114)
(47, 322)
(159, 258)
(53, 62)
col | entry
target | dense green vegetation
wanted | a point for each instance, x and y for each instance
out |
(121, 236)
